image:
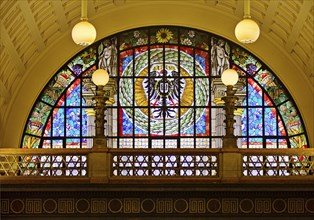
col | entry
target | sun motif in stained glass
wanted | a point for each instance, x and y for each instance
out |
(164, 35)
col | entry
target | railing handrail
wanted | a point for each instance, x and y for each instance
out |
(164, 151)
(44, 151)
(281, 151)
(260, 151)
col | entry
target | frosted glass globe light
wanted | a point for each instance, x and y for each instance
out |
(229, 77)
(247, 31)
(84, 33)
(100, 77)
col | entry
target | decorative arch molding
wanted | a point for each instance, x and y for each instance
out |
(172, 49)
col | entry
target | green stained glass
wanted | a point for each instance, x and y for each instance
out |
(133, 38)
(56, 86)
(38, 119)
(298, 141)
(189, 37)
(245, 60)
(83, 61)
(272, 86)
(291, 118)
(30, 141)
(126, 92)
(201, 92)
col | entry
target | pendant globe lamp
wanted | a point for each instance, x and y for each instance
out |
(247, 30)
(84, 33)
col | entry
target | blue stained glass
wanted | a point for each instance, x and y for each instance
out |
(127, 125)
(244, 123)
(58, 123)
(84, 123)
(126, 61)
(254, 97)
(74, 97)
(201, 61)
(201, 125)
(255, 125)
(73, 122)
(189, 131)
(139, 131)
(270, 122)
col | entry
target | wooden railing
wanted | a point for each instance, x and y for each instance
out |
(110, 165)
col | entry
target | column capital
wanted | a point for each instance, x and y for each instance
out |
(90, 112)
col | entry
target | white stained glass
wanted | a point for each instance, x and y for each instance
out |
(187, 143)
(126, 143)
(171, 143)
(157, 143)
(141, 143)
(202, 143)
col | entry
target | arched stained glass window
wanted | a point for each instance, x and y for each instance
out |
(165, 92)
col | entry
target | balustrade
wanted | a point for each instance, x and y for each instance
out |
(110, 164)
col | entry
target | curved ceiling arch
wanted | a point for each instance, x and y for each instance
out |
(25, 74)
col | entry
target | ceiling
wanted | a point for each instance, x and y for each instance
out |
(30, 27)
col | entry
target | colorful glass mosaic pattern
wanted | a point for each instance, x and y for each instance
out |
(168, 95)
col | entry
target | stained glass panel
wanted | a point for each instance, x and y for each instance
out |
(73, 123)
(56, 86)
(245, 60)
(30, 142)
(270, 121)
(271, 85)
(164, 35)
(291, 118)
(58, 122)
(38, 119)
(74, 94)
(83, 61)
(165, 92)
(255, 125)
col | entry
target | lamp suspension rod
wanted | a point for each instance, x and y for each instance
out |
(247, 9)
(84, 10)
